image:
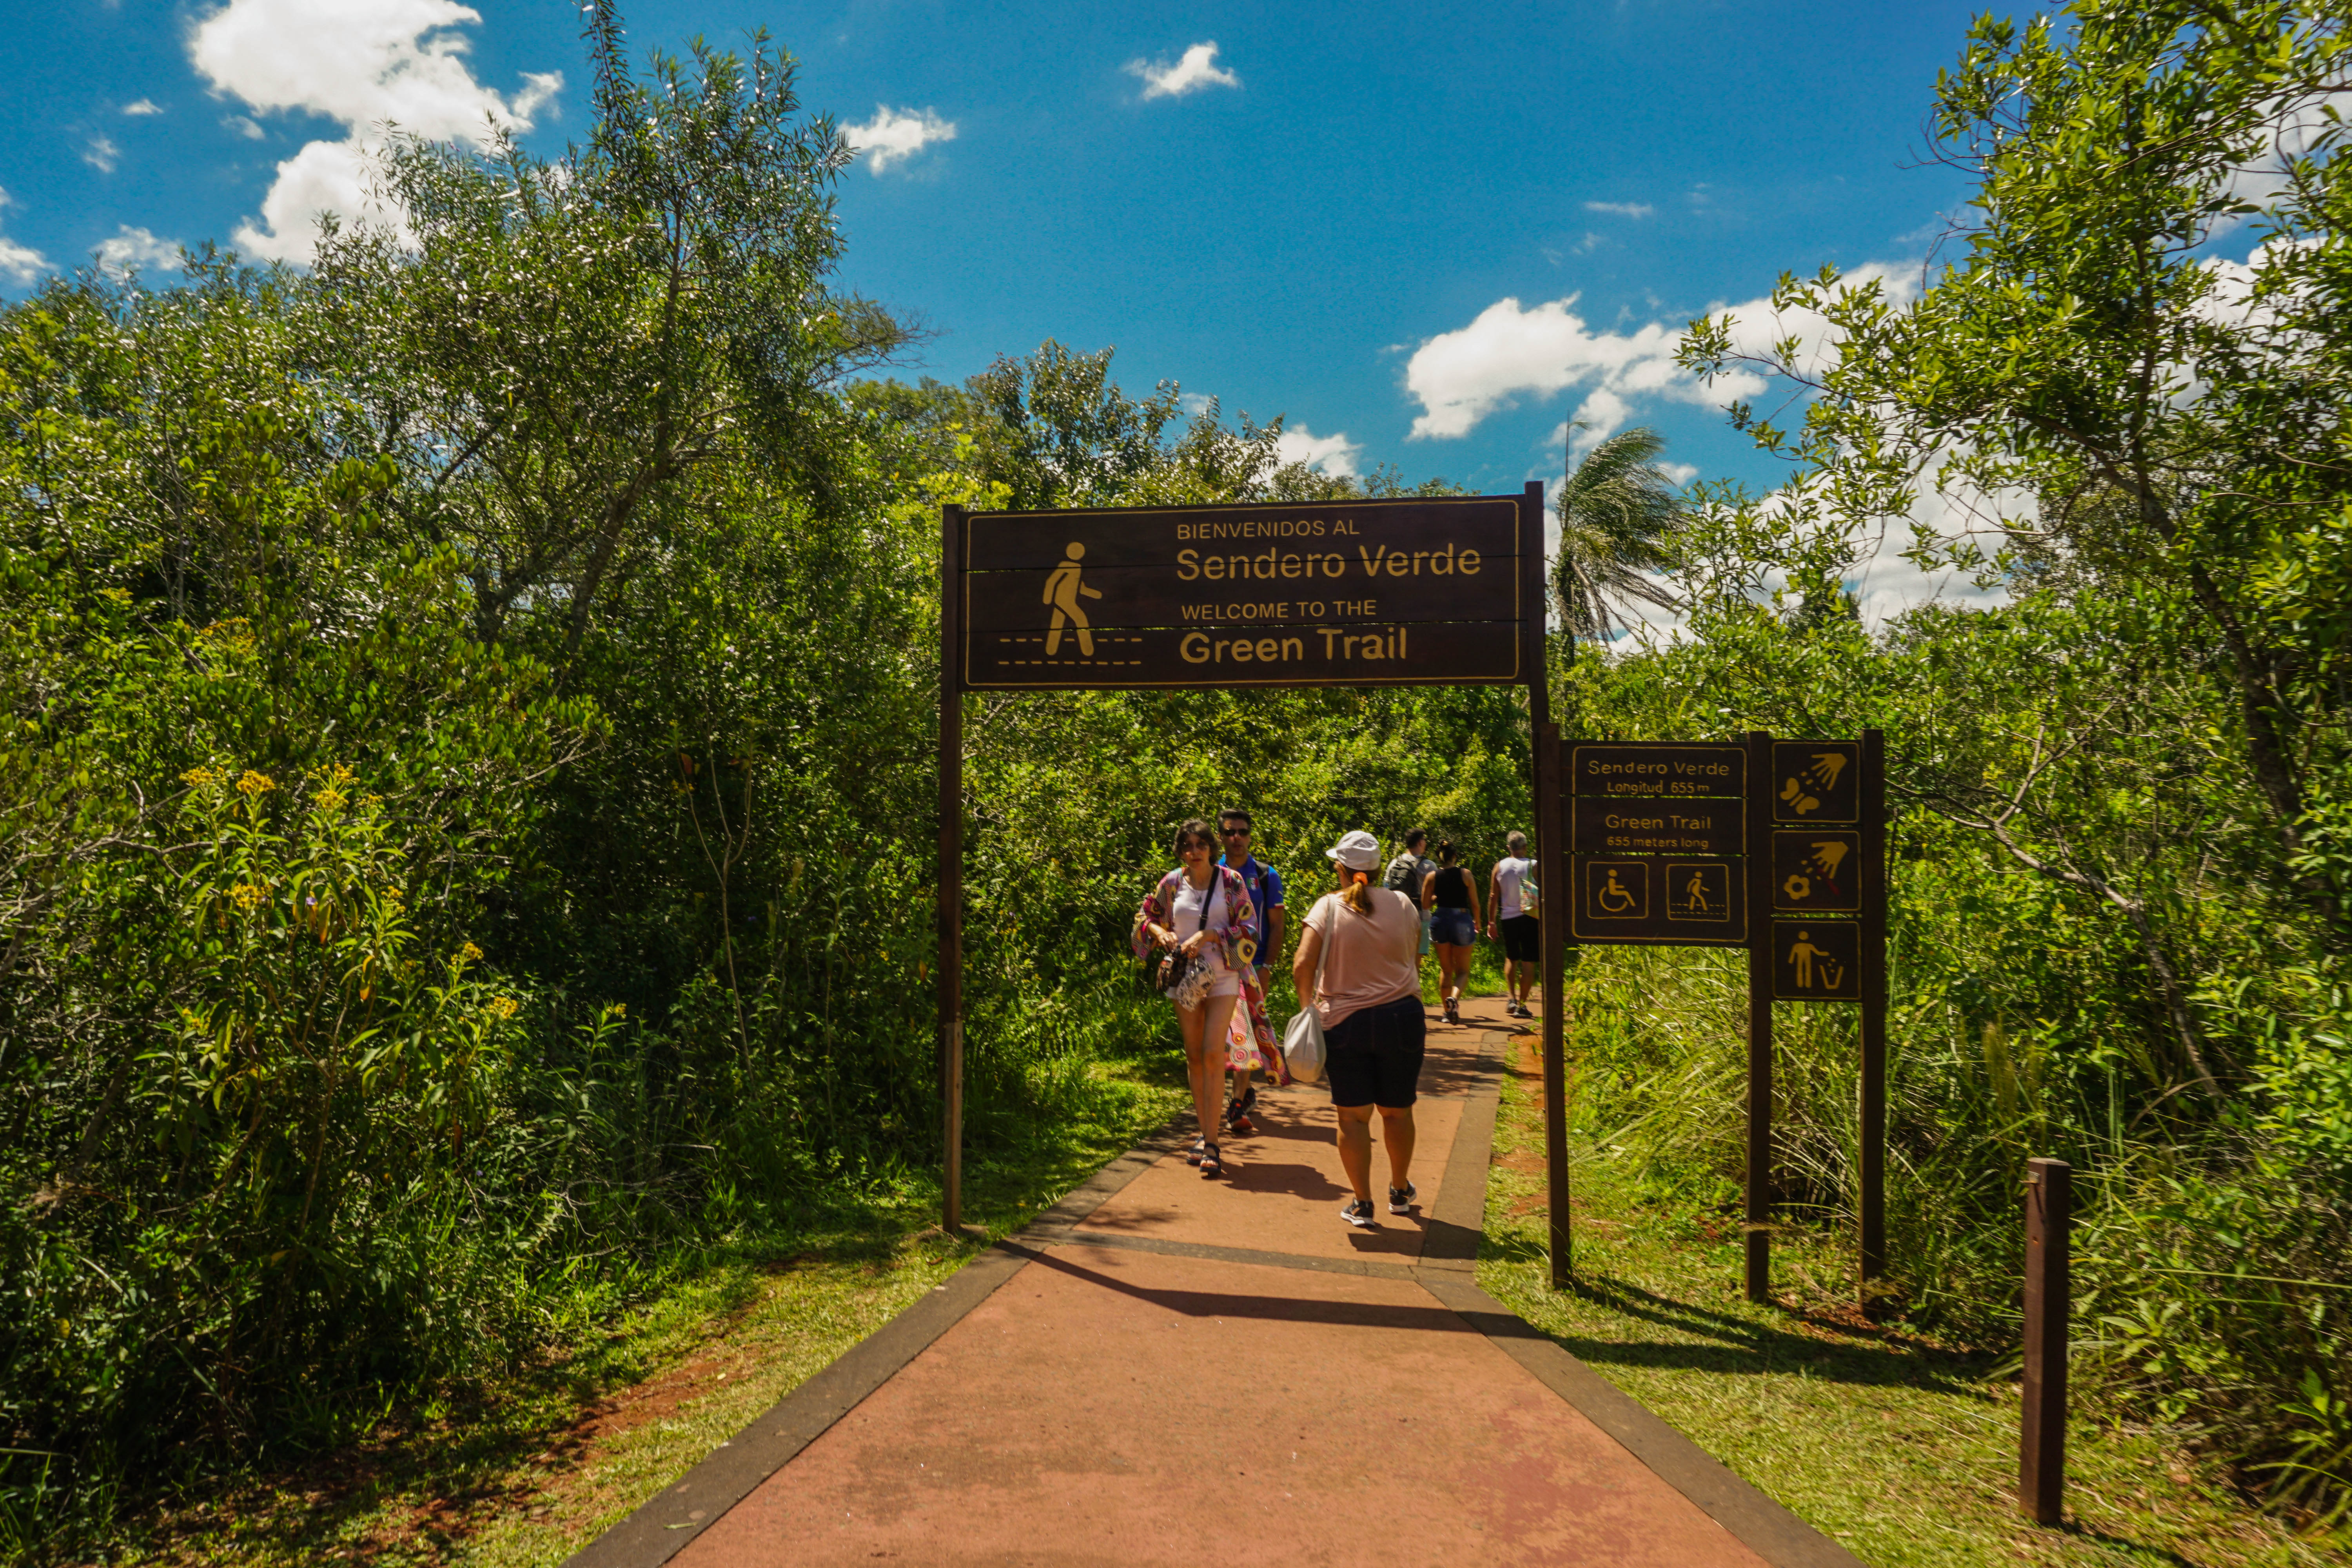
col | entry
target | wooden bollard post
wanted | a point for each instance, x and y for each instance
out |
(2042, 1448)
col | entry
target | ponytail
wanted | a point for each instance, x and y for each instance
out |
(1357, 893)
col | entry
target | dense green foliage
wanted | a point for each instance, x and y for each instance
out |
(466, 784)
(2122, 924)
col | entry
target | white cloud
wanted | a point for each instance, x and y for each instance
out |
(1511, 350)
(370, 64)
(20, 263)
(1334, 454)
(1196, 71)
(1622, 209)
(144, 107)
(895, 135)
(245, 126)
(135, 247)
(101, 154)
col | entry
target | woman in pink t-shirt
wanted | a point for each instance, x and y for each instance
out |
(1358, 965)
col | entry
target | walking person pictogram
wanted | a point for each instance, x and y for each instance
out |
(1062, 589)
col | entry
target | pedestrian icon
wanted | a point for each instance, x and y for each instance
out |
(1700, 892)
(1062, 589)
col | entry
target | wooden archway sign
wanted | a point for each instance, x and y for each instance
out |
(1418, 591)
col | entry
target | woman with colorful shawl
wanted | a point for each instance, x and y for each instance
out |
(1202, 909)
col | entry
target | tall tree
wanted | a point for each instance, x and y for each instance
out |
(1618, 514)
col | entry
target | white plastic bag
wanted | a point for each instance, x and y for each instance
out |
(1302, 1046)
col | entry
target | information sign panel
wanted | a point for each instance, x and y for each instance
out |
(1816, 781)
(1657, 768)
(1367, 593)
(1656, 827)
(1816, 961)
(1817, 869)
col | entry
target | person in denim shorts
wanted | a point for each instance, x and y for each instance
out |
(1451, 896)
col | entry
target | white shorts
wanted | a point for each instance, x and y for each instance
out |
(1228, 982)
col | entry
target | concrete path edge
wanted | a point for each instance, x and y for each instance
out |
(661, 1527)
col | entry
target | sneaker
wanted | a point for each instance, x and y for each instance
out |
(1358, 1212)
(1240, 1125)
(1400, 1198)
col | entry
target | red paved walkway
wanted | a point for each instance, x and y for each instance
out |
(1225, 1372)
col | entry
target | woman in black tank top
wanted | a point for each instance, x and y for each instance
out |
(1452, 899)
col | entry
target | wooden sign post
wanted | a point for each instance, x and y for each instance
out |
(1777, 846)
(1422, 591)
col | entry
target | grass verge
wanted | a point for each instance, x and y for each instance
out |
(527, 1471)
(1902, 1448)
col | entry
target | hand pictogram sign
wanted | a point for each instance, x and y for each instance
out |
(1817, 869)
(1816, 781)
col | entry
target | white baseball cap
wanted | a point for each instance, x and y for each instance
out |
(1358, 852)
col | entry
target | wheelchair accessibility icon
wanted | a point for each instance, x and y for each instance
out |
(1616, 890)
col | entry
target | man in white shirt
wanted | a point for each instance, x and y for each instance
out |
(1512, 918)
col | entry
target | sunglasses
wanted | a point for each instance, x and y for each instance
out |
(1237, 833)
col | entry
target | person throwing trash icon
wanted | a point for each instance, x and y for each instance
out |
(1062, 591)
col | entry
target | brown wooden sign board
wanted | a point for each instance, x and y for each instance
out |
(1426, 591)
(1774, 845)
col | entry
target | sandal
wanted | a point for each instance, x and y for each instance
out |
(1210, 1164)
(1192, 1155)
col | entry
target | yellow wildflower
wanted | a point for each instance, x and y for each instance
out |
(470, 953)
(620, 1009)
(253, 784)
(246, 896)
(332, 799)
(197, 777)
(504, 1006)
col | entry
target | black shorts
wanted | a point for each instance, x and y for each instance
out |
(1523, 939)
(1373, 1057)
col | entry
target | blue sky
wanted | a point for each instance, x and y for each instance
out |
(1328, 217)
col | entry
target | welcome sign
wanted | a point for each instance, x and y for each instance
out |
(1368, 593)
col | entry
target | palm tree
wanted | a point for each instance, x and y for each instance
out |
(1618, 514)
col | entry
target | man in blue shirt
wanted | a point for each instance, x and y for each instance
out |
(1264, 886)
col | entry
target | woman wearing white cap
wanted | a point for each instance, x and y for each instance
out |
(1359, 965)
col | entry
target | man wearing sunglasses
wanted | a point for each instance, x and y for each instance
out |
(1236, 831)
